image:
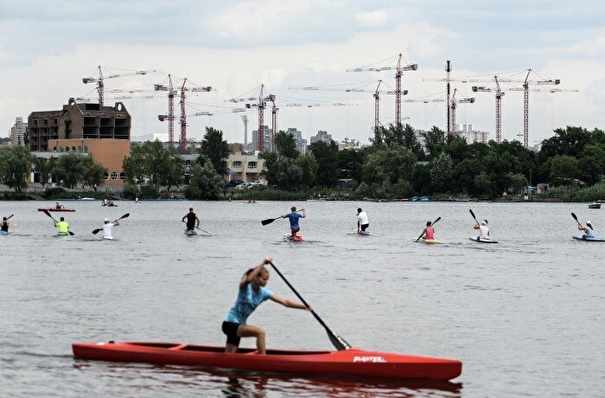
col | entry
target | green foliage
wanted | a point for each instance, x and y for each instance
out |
(205, 183)
(441, 173)
(152, 164)
(215, 149)
(285, 145)
(308, 165)
(288, 174)
(326, 156)
(15, 166)
(387, 173)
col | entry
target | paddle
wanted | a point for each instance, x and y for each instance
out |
(203, 230)
(270, 220)
(48, 214)
(473, 214)
(96, 231)
(433, 223)
(336, 340)
(7, 218)
(576, 218)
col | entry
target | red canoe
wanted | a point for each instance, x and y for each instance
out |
(355, 362)
(54, 209)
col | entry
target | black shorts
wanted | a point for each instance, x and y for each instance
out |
(230, 329)
(364, 226)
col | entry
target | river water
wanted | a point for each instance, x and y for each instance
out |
(525, 316)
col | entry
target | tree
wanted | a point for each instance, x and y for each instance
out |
(15, 167)
(326, 156)
(205, 182)
(350, 163)
(563, 170)
(43, 167)
(285, 145)
(215, 149)
(434, 141)
(288, 174)
(387, 174)
(153, 164)
(309, 167)
(72, 169)
(441, 173)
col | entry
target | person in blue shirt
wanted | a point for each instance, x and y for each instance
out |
(294, 216)
(252, 293)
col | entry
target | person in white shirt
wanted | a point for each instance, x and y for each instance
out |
(362, 221)
(107, 228)
(483, 229)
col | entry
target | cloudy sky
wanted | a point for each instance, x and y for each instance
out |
(47, 47)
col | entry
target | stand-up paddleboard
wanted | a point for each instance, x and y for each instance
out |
(479, 240)
(298, 238)
(430, 241)
(585, 239)
(190, 232)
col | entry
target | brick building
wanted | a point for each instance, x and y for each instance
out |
(101, 131)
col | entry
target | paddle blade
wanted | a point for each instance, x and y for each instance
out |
(438, 218)
(48, 214)
(124, 216)
(338, 342)
(574, 216)
(71, 233)
(472, 214)
(268, 221)
(96, 231)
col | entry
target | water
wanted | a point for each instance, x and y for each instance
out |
(525, 316)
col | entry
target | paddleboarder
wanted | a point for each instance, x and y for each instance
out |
(588, 230)
(193, 221)
(362, 221)
(252, 293)
(63, 226)
(4, 227)
(294, 216)
(428, 232)
(107, 228)
(483, 229)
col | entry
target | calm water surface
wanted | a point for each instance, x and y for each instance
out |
(525, 316)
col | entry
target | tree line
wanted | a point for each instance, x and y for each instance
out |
(396, 165)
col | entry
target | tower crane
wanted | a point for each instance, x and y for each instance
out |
(453, 103)
(170, 116)
(100, 80)
(260, 105)
(375, 93)
(499, 95)
(399, 69)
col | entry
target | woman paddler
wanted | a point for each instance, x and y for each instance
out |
(252, 293)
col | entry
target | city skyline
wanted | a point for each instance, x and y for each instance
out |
(46, 48)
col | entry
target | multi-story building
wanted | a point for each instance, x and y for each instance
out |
(245, 167)
(301, 143)
(322, 136)
(17, 132)
(101, 131)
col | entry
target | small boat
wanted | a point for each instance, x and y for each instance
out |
(190, 232)
(54, 209)
(353, 362)
(480, 240)
(594, 205)
(4, 233)
(431, 241)
(587, 239)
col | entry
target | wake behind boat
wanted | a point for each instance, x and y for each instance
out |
(354, 362)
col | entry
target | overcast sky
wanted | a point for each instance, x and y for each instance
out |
(47, 47)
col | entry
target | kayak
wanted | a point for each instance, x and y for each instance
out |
(3, 233)
(54, 209)
(190, 232)
(582, 238)
(477, 239)
(431, 241)
(355, 362)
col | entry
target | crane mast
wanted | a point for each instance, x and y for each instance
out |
(170, 116)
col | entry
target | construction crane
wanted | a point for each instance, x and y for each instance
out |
(100, 80)
(375, 93)
(260, 105)
(453, 103)
(399, 69)
(499, 95)
(170, 116)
